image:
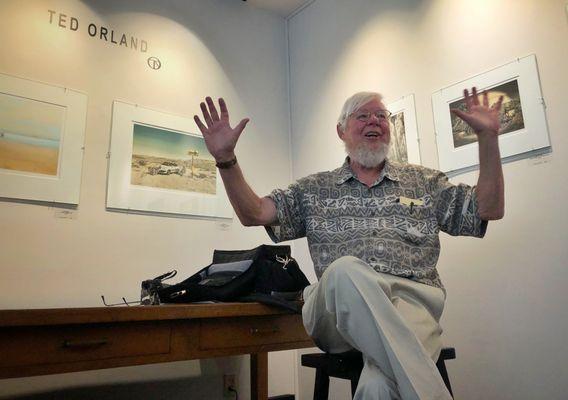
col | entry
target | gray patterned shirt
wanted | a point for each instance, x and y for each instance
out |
(341, 216)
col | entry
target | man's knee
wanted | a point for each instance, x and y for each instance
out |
(343, 265)
(349, 270)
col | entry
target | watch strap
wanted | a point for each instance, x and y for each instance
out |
(226, 164)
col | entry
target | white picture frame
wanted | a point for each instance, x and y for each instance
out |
(42, 133)
(405, 144)
(161, 182)
(525, 129)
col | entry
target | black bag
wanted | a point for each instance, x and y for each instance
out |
(267, 274)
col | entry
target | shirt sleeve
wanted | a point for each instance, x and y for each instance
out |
(456, 208)
(289, 210)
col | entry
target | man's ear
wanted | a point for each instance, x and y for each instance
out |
(340, 132)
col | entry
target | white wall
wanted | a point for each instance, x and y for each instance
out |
(215, 47)
(506, 308)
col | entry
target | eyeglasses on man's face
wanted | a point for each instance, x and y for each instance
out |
(364, 116)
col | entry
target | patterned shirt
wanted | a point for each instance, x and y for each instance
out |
(340, 216)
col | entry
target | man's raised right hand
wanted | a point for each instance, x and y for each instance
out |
(220, 138)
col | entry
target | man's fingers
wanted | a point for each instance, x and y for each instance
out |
(212, 109)
(224, 111)
(475, 98)
(200, 125)
(241, 126)
(485, 98)
(467, 99)
(206, 115)
(497, 106)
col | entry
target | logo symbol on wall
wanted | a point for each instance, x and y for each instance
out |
(154, 63)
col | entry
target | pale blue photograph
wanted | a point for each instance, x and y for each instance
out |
(30, 135)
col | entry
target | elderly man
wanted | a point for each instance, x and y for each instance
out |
(372, 227)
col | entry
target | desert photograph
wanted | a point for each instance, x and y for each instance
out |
(172, 160)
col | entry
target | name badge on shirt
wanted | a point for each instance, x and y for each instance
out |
(410, 202)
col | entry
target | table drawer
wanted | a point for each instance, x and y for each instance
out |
(253, 331)
(72, 343)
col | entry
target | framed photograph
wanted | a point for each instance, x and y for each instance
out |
(523, 121)
(42, 132)
(404, 134)
(158, 164)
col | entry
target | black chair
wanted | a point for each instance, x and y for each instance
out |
(349, 365)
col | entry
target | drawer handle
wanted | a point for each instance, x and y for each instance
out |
(71, 344)
(265, 331)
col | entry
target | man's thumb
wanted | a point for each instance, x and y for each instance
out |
(459, 113)
(241, 126)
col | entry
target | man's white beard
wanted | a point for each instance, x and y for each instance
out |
(366, 156)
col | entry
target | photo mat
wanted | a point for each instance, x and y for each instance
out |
(404, 142)
(42, 132)
(524, 131)
(159, 164)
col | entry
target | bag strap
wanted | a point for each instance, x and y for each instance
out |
(284, 260)
(167, 275)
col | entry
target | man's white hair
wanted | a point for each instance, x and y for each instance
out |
(355, 102)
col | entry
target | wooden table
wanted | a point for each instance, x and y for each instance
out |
(52, 341)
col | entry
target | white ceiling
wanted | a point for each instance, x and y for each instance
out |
(280, 7)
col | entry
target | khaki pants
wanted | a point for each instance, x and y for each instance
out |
(393, 321)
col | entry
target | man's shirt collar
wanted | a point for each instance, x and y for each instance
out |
(390, 170)
(344, 173)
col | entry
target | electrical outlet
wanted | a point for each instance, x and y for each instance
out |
(229, 381)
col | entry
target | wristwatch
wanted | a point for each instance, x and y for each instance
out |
(226, 164)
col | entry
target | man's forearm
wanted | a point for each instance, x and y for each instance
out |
(490, 185)
(251, 209)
